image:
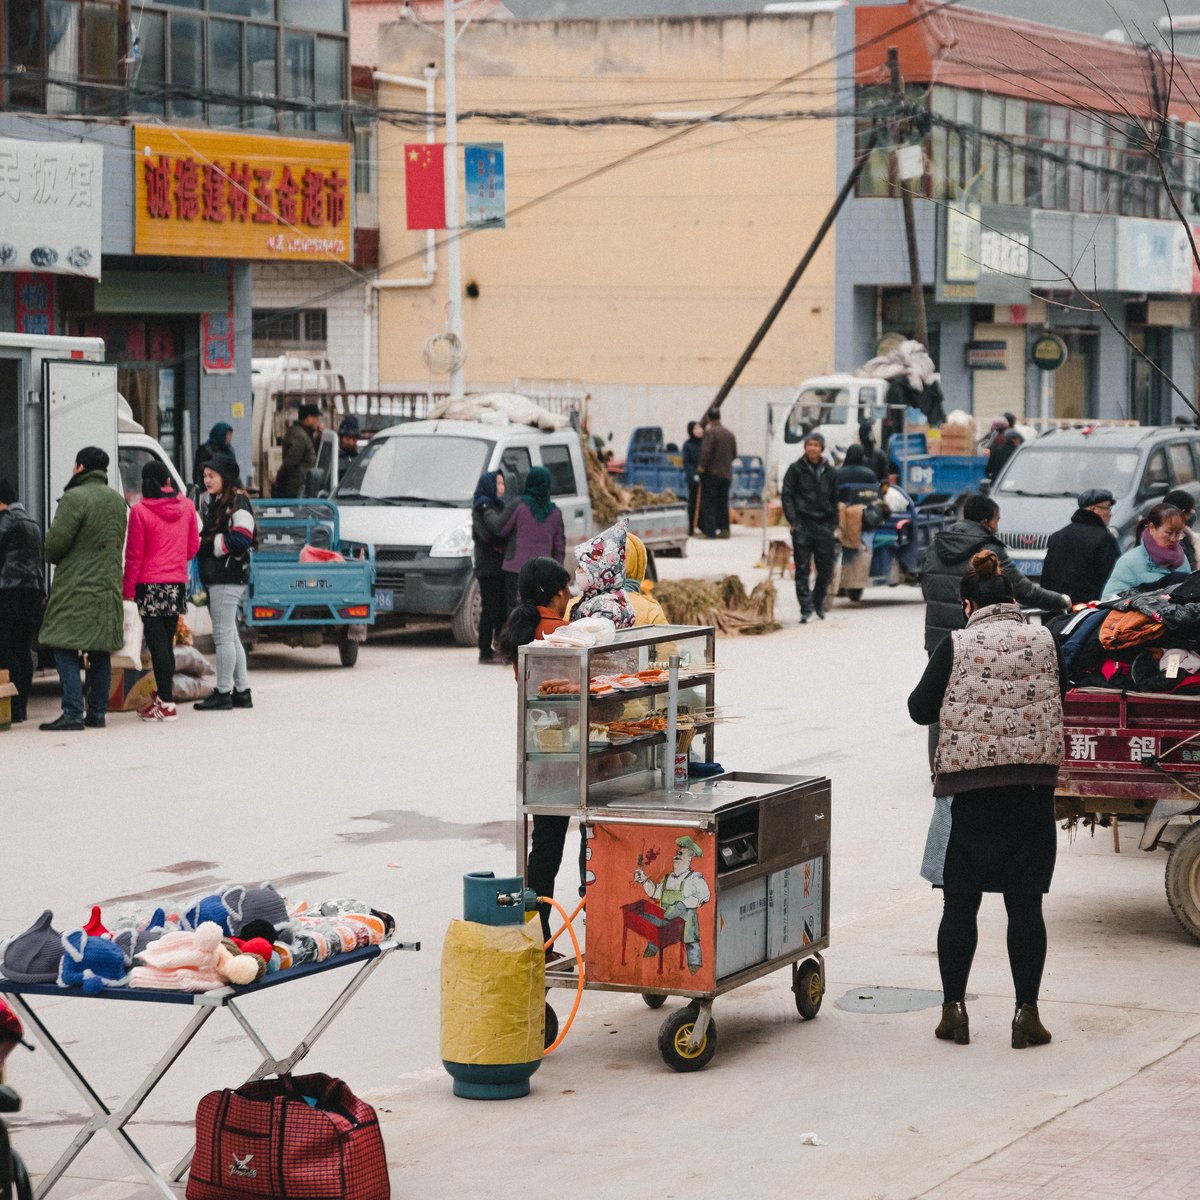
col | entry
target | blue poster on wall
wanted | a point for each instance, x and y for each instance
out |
(484, 170)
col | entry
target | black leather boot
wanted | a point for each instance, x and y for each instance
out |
(1027, 1028)
(955, 1025)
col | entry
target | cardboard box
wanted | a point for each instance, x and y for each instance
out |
(7, 692)
(752, 518)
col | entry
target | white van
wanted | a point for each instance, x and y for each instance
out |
(135, 448)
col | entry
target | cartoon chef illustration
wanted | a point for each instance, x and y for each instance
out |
(680, 893)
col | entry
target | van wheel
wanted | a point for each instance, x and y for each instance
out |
(1183, 881)
(465, 622)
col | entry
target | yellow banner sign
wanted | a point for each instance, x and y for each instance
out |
(202, 194)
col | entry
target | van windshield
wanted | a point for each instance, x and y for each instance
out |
(416, 470)
(824, 406)
(1059, 471)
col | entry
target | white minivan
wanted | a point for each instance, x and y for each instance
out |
(409, 494)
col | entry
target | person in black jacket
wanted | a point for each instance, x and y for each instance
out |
(1186, 503)
(810, 506)
(1080, 556)
(948, 560)
(488, 516)
(691, 470)
(21, 594)
(1001, 452)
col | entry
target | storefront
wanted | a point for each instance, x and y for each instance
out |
(149, 245)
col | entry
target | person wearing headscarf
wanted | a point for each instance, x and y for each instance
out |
(161, 540)
(219, 437)
(533, 529)
(646, 610)
(691, 470)
(601, 577)
(488, 516)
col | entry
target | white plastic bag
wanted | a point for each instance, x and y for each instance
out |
(130, 654)
(587, 631)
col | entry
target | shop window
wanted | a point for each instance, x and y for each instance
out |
(298, 79)
(330, 83)
(225, 70)
(187, 67)
(286, 329)
(149, 79)
(261, 73)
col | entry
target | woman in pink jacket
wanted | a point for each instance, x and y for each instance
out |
(163, 536)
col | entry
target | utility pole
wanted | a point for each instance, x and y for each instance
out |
(794, 278)
(453, 260)
(901, 126)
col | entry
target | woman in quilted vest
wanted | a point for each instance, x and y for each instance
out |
(996, 687)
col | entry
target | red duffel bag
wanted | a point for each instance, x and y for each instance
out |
(306, 1137)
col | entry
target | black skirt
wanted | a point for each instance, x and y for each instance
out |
(1002, 839)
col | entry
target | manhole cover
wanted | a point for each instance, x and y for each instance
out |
(889, 1000)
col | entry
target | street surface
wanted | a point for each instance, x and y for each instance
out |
(389, 781)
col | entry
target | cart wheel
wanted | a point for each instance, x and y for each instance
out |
(1183, 881)
(809, 988)
(673, 1041)
(551, 1027)
(347, 650)
(654, 999)
(854, 594)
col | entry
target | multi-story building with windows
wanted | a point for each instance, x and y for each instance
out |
(1041, 205)
(155, 155)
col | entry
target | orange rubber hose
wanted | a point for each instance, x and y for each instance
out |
(569, 921)
(562, 1033)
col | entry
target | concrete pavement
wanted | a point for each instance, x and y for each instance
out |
(391, 780)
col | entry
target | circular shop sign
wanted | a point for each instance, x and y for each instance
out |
(1048, 352)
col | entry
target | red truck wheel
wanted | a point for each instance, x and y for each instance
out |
(1183, 881)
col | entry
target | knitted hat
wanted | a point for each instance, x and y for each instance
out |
(185, 960)
(814, 436)
(92, 963)
(95, 927)
(134, 941)
(226, 466)
(256, 904)
(211, 908)
(8, 493)
(33, 956)
(1095, 496)
(349, 427)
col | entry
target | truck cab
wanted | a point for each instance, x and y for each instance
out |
(833, 406)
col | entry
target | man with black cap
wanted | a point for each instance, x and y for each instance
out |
(299, 452)
(1081, 555)
(810, 506)
(86, 543)
(348, 433)
(21, 573)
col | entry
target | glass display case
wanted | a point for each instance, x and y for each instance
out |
(612, 721)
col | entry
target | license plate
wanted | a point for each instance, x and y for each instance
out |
(1029, 566)
(385, 600)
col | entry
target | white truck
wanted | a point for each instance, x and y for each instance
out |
(57, 395)
(409, 491)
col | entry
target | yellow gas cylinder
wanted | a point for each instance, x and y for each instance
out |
(493, 992)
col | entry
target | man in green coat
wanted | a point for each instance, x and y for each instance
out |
(86, 543)
(299, 452)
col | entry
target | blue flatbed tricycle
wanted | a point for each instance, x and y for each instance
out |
(298, 592)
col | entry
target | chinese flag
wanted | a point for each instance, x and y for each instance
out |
(425, 185)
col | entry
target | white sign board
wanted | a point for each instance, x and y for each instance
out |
(50, 207)
(1153, 256)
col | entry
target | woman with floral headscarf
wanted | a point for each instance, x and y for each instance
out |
(601, 578)
(534, 529)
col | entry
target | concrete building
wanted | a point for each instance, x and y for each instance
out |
(1034, 167)
(642, 249)
(152, 153)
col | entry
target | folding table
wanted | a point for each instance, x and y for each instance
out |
(365, 960)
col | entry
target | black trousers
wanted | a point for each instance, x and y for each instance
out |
(959, 933)
(160, 641)
(493, 609)
(20, 616)
(714, 505)
(545, 857)
(812, 544)
(693, 493)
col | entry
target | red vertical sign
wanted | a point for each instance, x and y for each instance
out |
(425, 185)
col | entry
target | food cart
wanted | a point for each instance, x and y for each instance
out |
(696, 880)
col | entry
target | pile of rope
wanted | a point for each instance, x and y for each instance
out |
(722, 603)
(609, 498)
